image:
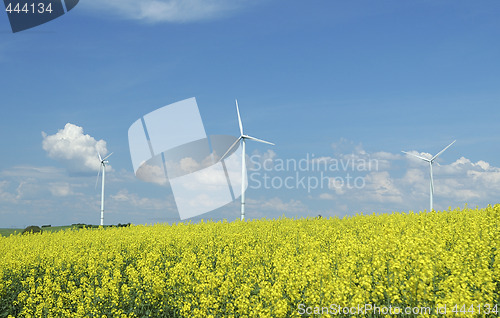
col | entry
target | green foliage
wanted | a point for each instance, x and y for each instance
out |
(7, 232)
(32, 229)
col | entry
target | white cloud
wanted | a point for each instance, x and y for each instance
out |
(32, 172)
(348, 149)
(61, 189)
(205, 181)
(348, 152)
(337, 185)
(47, 195)
(5, 195)
(123, 196)
(260, 160)
(417, 162)
(398, 187)
(35, 183)
(176, 11)
(487, 178)
(326, 196)
(397, 181)
(189, 165)
(75, 150)
(416, 153)
(269, 155)
(152, 172)
(455, 188)
(414, 176)
(464, 165)
(386, 155)
(277, 204)
(381, 187)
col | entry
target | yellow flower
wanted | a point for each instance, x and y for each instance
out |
(259, 268)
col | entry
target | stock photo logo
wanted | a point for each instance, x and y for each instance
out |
(169, 146)
(27, 14)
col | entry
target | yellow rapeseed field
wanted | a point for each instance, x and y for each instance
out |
(321, 267)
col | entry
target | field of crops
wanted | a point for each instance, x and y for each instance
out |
(261, 268)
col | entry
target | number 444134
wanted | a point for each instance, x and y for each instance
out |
(29, 8)
(485, 309)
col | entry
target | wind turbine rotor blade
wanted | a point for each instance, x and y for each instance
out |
(259, 140)
(416, 156)
(99, 155)
(230, 148)
(443, 150)
(239, 118)
(97, 179)
(107, 156)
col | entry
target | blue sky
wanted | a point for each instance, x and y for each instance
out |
(338, 80)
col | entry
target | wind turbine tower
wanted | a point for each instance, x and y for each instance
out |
(103, 168)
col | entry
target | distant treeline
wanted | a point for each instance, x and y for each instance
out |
(83, 225)
(37, 229)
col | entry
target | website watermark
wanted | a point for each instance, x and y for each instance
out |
(372, 309)
(310, 173)
(165, 152)
(206, 172)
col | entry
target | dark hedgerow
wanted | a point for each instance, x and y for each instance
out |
(32, 229)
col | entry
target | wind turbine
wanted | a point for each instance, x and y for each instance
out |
(243, 138)
(103, 168)
(431, 161)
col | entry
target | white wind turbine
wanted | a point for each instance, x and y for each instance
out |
(430, 161)
(103, 168)
(242, 138)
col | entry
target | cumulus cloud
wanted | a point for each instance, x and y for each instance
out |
(75, 150)
(177, 11)
(414, 160)
(277, 204)
(344, 146)
(35, 183)
(46, 195)
(464, 165)
(381, 187)
(395, 181)
(326, 196)
(61, 189)
(401, 182)
(189, 165)
(5, 194)
(259, 160)
(153, 173)
(460, 180)
(386, 155)
(347, 151)
(123, 196)
(413, 176)
(32, 172)
(337, 185)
